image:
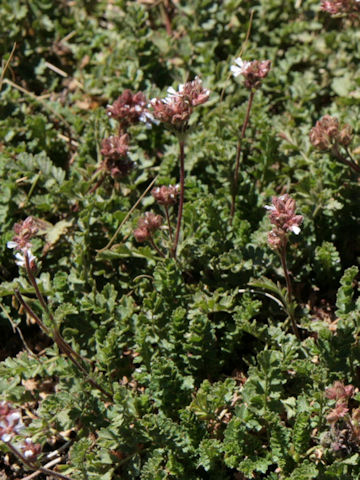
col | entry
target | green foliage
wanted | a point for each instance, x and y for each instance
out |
(202, 377)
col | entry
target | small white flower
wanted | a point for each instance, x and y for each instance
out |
(270, 207)
(5, 437)
(240, 67)
(11, 244)
(20, 258)
(148, 119)
(295, 229)
(171, 91)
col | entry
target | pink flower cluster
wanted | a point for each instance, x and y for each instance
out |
(24, 232)
(341, 394)
(147, 225)
(282, 216)
(10, 422)
(11, 425)
(115, 152)
(333, 7)
(328, 133)
(253, 72)
(176, 108)
(129, 109)
(166, 195)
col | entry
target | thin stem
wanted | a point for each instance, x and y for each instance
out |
(153, 244)
(57, 336)
(30, 311)
(166, 16)
(61, 343)
(238, 155)
(128, 215)
(168, 222)
(63, 346)
(354, 166)
(182, 193)
(289, 290)
(34, 466)
(97, 185)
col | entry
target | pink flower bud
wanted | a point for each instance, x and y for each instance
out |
(166, 195)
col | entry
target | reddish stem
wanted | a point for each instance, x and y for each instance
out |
(34, 466)
(350, 163)
(62, 344)
(238, 155)
(182, 193)
(289, 290)
(168, 222)
(153, 244)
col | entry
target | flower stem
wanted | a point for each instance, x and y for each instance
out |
(61, 343)
(182, 192)
(34, 466)
(289, 291)
(168, 222)
(238, 155)
(153, 244)
(350, 163)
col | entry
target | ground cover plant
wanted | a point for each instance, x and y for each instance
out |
(180, 240)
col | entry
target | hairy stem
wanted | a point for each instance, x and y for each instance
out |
(238, 155)
(168, 222)
(350, 163)
(155, 247)
(75, 358)
(34, 466)
(182, 193)
(289, 290)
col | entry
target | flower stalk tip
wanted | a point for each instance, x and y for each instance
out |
(253, 72)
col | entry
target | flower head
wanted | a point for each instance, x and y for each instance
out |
(30, 450)
(115, 147)
(115, 152)
(176, 108)
(146, 225)
(340, 6)
(24, 232)
(166, 195)
(327, 133)
(130, 108)
(339, 391)
(10, 422)
(336, 413)
(253, 72)
(282, 216)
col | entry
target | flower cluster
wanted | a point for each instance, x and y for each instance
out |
(253, 72)
(30, 450)
(129, 109)
(11, 425)
(24, 232)
(176, 108)
(328, 133)
(340, 6)
(282, 216)
(341, 394)
(147, 225)
(115, 152)
(166, 195)
(10, 422)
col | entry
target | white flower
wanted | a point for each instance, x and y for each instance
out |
(6, 437)
(270, 207)
(20, 258)
(11, 244)
(240, 67)
(148, 119)
(295, 229)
